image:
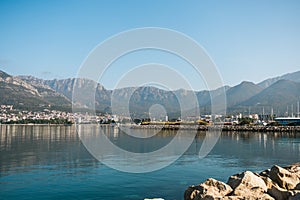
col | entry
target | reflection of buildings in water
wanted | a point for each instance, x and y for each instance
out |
(273, 145)
(34, 132)
(6, 138)
(237, 137)
(262, 138)
(26, 145)
(116, 132)
(265, 137)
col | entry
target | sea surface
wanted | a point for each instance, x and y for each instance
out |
(50, 162)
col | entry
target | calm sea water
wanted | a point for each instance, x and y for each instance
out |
(50, 162)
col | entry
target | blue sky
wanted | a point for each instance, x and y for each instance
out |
(248, 40)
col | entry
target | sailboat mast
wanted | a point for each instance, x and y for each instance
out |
(298, 114)
(272, 113)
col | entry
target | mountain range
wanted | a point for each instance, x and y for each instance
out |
(29, 93)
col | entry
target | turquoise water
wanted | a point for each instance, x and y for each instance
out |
(50, 162)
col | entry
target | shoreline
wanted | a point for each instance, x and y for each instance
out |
(225, 128)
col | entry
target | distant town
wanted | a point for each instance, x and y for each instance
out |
(10, 115)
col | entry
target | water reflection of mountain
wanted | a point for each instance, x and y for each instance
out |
(35, 146)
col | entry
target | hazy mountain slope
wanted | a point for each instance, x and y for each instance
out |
(59, 92)
(65, 87)
(290, 76)
(57, 100)
(241, 92)
(14, 91)
(279, 95)
(34, 92)
(142, 99)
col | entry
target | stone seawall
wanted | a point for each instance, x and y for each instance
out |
(224, 128)
(277, 183)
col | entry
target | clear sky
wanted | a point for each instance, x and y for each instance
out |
(248, 40)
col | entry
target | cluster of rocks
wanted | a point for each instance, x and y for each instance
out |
(277, 183)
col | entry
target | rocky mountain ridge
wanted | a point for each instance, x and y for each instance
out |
(29, 95)
(280, 94)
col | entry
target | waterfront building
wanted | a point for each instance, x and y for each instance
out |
(288, 120)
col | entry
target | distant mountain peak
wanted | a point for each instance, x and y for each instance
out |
(4, 75)
(294, 76)
(241, 92)
(280, 95)
(247, 83)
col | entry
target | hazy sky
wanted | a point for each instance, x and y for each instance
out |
(248, 40)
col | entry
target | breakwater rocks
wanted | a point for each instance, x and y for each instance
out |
(224, 128)
(277, 183)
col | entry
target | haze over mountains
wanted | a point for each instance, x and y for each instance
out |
(30, 93)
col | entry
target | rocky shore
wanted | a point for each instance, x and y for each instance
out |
(224, 128)
(277, 183)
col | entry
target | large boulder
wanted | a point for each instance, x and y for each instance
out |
(294, 168)
(275, 191)
(247, 184)
(276, 183)
(284, 178)
(210, 189)
(193, 192)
